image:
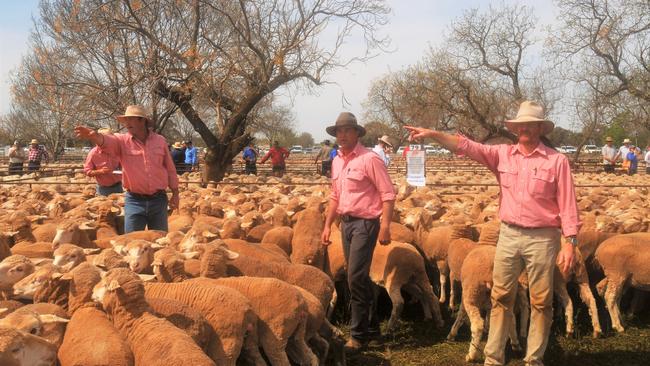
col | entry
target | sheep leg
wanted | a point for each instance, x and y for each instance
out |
(567, 304)
(443, 281)
(398, 304)
(320, 346)
(523, 307)
(297, 348)
(452, 292)
(638, 298)
(333, 301)
(612, 298)
(461, 315)
(476, 324)
(434, 304)
(274, 349)
(588, 298)
(251, 350)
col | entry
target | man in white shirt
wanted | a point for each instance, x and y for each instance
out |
(623, 150)
(382, 147)
(609, 155)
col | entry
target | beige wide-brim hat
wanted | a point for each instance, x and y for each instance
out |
(177, 145)
(346, 119)
(627, 141)
(609, 139)
(532, 112)
(385, 140)
(34, 141)
(134, 111)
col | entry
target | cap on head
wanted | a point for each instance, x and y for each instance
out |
(346, 119)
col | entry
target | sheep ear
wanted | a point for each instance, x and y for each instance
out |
(163, 241)
(66, 276)
(156, 262)
(156, 246)
(119, 249)
(230, 254)
(209, 234)
(11, 233)
(51, 318)
(115, 209)
(56, 275)
(190, 255)
(147, 277)
(114, 285)
(88, 225)
(88, 251)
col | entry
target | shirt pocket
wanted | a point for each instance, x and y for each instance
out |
(507, 176)
(356, 181)
(131, 156)
(542, 183)
(158, 156)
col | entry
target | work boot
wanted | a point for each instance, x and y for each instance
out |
(354, 346)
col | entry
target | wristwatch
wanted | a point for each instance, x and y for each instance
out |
(573, 240)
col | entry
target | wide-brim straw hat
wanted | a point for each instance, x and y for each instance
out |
(177, 145)
(385, 140)
(346, 119)
(609, 139)
(134, 111)
(34, 141)
(627, 141)
(532, 112)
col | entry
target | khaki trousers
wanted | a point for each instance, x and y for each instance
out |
(535, 250)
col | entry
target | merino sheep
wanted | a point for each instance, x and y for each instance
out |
(624, 260)
(278, 328)
(13, 269)
(154, 341)
(20, 348)
(227, 311)
(306, 247)
(108, 259)
(73, 232)
(280, 236)
(80, 346)
(44, 320)
(185, 318)
(68, 256)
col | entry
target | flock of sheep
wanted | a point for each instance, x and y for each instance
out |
(242, 278)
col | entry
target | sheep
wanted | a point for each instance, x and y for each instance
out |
(68, 256)
(13, 269)
(218, 262)
(169, 266)
(185, 318)
(227, 311)
(20, 348)
(624, 260)
(278, 328)
(71, 290)
(9, 306)
(44, 320)
(73, 232)
(256, 233)
(253, 250)
(280, 236)
(80, 346)
(122, 240)
(138, 254)
(33, 250)
(25, 288)
(108, 259)
(306, 247)
(5, 246)
(154, 341)
(197, 235)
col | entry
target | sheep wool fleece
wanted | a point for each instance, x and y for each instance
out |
(536, 250)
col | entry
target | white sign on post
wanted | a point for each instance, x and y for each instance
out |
(415, 173)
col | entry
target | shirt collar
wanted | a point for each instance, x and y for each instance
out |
(540, 149)
(355, 152)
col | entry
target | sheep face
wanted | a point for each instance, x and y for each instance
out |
(120, 287)
(68, 256)
(69, 233)
(14, 269)
(30, 322)
(25, 288)
(139, 255)
(19, 348)
(214, 260)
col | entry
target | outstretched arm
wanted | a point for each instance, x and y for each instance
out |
(91, 135)
(449, 142)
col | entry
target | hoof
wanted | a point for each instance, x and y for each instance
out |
(597, 334)
(471, 358)
(451, 337)
(516, 348)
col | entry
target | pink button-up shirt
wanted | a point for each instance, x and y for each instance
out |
(360, 183)
(147, 168)
(536, 190)
(98, 158)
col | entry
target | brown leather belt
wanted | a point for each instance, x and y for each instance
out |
(147, 197)
(350, 218)
(515, 226)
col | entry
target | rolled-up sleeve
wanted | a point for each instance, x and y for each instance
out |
(376, 171)
(487, 155)
(566, 200)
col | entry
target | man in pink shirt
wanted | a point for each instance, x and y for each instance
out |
(147, 166)
(361, 194)
(100, 165)
(537, 206)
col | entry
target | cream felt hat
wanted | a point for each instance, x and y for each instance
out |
(532, 112)
(134, 111)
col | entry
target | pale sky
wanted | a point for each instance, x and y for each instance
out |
(414, 26)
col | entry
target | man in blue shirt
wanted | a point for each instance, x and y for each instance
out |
(250, 159)
(191, 158)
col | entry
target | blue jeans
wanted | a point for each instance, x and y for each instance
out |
(105, 191)
(140, 212)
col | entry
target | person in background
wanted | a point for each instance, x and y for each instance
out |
(178, 157)
(101, 165)
(537, 206)
(622, 151)
(191, 157)
(325, 158)
(646, 158)
(16, 158)
(609, 153)
(632, 160)
(278, 154)
(334, 152)
(250, 159)
(382, 149)
(363, 196)
(36, 155)
(147, 166)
